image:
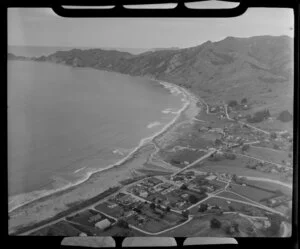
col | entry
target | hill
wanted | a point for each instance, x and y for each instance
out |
(258, 68)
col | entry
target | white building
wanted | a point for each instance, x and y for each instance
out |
(143, 194)
(103, 224)
(211, 177)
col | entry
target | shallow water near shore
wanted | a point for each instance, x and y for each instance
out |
(63, 128)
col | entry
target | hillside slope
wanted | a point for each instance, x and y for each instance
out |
(259, 68)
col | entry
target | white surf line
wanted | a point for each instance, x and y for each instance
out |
(143, 142)
(78, 170)
(88, 207)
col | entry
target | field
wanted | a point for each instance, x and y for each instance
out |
(200, 226)
(217, 183)
(213, 120)
(83, 217)
(232, 196)
(270, 186)
(61, 228)
(236, 166)
(251, 193)
(115, 212)
(179, 157)
(268, 155)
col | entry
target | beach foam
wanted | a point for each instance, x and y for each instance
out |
(23, 199)
(78, 170)
(153, 124)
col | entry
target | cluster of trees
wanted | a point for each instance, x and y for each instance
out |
(230, 156)
(203, 207)
(185, 213)
(259, 116)
(232, 229)
(215, 223)
(285, 116)
(245, 147)
(234, 103)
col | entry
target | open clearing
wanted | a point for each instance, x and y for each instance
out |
(251, 193)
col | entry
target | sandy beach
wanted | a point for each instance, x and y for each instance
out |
(48, 206)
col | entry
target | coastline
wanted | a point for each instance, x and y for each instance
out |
(91, 176)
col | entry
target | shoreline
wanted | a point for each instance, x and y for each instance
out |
(188, 98)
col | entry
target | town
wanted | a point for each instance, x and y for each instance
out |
(214, 176)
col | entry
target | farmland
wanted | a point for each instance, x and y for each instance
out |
(251, 193)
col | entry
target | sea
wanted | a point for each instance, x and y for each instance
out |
(65, 123)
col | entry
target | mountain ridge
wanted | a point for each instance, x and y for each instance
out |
(231, 67)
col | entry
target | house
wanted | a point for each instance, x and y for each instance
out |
(103, 224)
(143, 194)
(113, 205)
(94, 218)
(166, 202)
(211, 177)
(180, 204)
(129, 213)
(158, 210)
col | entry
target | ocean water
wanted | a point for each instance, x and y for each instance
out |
(64, 122)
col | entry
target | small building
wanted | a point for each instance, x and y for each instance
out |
(103, 224)
(144, 194)
(94, 218)
(158, 210)
(185, 195)
(82, 234)
(211, 177)
(113, 205)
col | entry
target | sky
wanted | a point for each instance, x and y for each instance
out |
(42, 27)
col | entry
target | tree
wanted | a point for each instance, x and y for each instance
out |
(152, 205)
(275, 147)
(273, 135)
(290, 155)
(244, 101)
(215, 224)
(230, 156)
(218, 142)
(245, 147)
(285, 116)
(193, 199)
(123, 223)
(231, 208)
(232, 103)
(185, 213)
(203, 207)
(168, 209)
(183, 187)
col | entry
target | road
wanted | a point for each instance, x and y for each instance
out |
(80, 210)
(251, 126)
(195, 162)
